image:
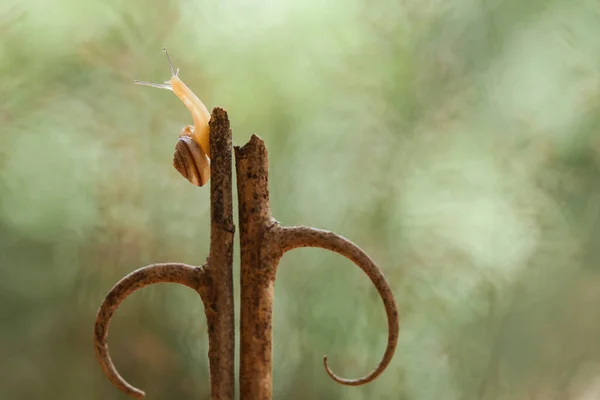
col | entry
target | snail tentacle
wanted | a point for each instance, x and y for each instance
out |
(192, 155)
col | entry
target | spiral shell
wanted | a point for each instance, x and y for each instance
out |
(190, 160)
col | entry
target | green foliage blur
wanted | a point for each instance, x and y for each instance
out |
(456, 141)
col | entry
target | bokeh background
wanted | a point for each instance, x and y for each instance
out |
(456, 141)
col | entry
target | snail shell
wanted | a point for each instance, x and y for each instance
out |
(192, 150)
(190, 160)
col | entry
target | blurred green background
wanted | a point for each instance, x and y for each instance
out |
(457, 142)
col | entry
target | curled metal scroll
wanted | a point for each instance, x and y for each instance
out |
(301, 236)
(184, 274)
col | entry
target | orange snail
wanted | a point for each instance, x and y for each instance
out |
(192, 151)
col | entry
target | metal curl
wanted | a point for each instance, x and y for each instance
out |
(301, 236)
(156, 273)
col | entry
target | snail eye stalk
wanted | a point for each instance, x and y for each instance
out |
(166, 85)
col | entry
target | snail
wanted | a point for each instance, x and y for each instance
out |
(192, 151)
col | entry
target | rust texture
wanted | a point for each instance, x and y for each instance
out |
(218, 295)
(157, 273)
(213, 281)
(263, 242)
(259, 258)
(302, 236)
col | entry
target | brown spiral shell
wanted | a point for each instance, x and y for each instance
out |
(189, 159)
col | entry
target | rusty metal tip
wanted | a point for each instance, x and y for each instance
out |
(255, 138)
(138, 395)
(350, 382)
(255, 141)
(219, 112)
(334, 376)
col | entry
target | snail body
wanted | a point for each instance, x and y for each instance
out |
(192, 151)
